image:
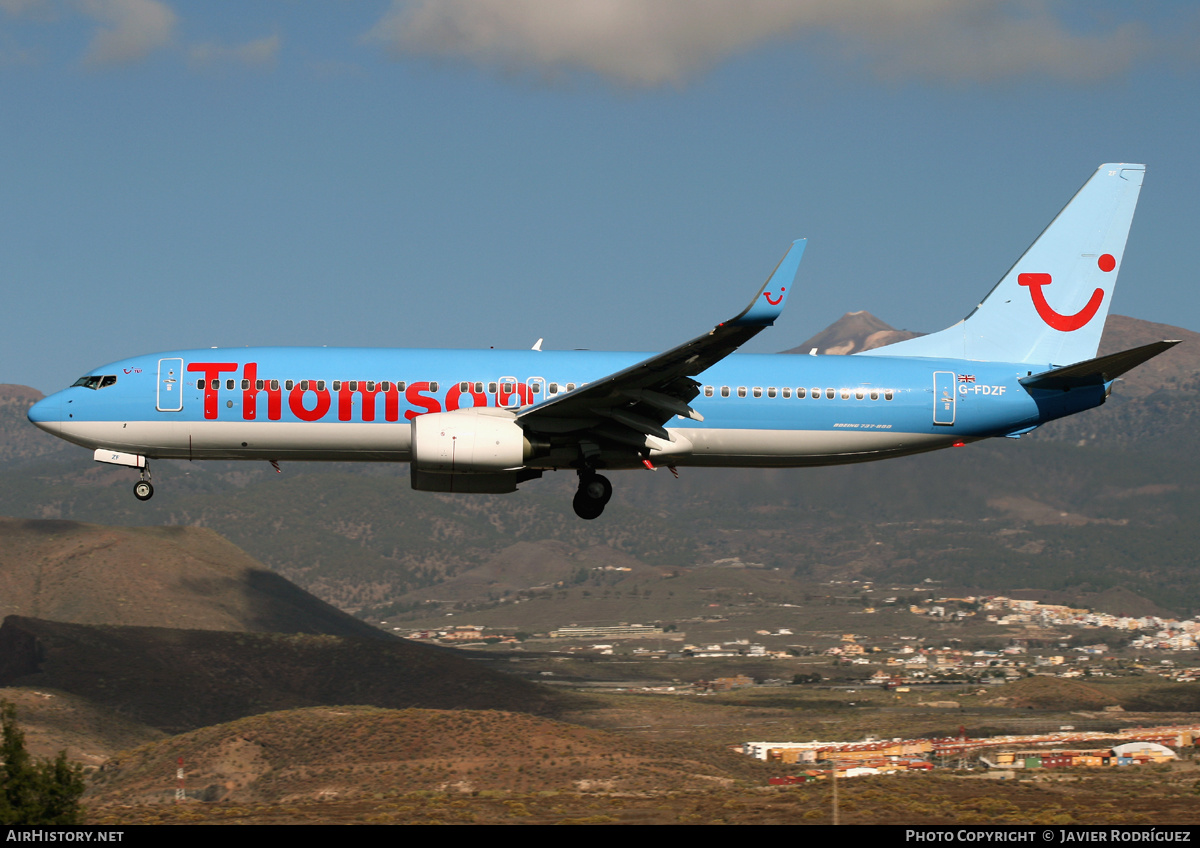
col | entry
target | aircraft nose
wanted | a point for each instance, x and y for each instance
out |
(47, 414)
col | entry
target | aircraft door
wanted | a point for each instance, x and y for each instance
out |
(943, 397)
(536, 388)
(170, 385)
(511, 393)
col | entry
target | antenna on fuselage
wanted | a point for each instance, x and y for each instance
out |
(537, 345)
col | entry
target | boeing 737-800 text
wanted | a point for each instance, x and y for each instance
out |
(488, 420)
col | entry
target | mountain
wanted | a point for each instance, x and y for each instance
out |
(177, 680)
(852, 333)
(20, 441)
(187, 577)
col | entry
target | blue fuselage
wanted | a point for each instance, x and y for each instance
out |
(347, 403)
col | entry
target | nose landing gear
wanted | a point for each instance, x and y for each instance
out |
(142, 489)
(593, 493)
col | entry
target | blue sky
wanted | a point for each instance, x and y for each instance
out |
(608, 174)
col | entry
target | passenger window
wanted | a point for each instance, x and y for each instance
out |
(800, 392)
(492, 388)
(400, 386)
(479, 388)
(570, 387)
(829, 393)
(724, 391)
(274, 385)
(816, 393)
(433, 386)
(874, 394)
(199, 383)
(741, 391)
(887, 395)
(758, 391)
(845, 394)
(464, 387)
(770, 391)
(320, 385)
(708, 391)
(787, 392)
(859, 394)
(354, 385)
(229, 385)
(535, 387)
(216, 384)
(245, 385)
(370, 385)
(259, 384)
(288, 385)
(337, 385)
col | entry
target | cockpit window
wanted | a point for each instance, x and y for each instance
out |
(96, 381)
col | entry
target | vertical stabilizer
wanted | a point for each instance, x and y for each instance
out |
(1051, 306)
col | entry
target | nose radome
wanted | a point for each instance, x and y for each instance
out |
(47, 414)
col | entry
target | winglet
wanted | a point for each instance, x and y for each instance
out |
(771, 298)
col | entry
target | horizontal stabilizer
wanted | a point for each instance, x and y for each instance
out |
(1102, 369)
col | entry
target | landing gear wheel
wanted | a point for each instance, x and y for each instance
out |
(597, 488)
(594, 492)
(142, 490)
(585, 507)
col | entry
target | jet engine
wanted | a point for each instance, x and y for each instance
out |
(468, 441)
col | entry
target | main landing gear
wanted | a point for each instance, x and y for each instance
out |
(594, 492)
(142, 490)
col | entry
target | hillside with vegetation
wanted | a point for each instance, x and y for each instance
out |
(179, 680)
(360, 752)
(180, 577)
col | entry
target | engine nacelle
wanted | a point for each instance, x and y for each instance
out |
(468, 441)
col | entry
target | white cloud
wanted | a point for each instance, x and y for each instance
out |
(641, 43)
(261, 52)
(129, 30)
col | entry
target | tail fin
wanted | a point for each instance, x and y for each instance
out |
(1080, 253)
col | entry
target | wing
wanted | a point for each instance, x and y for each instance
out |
(629, 408)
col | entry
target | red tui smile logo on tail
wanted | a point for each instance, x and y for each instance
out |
(1060, 322)
(778, 300)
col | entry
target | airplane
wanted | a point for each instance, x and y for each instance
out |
(486, 421)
